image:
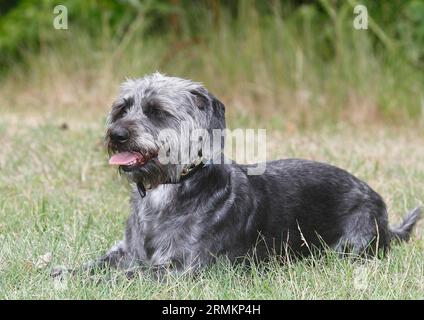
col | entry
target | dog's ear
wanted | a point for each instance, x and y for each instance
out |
(205, 100)
(201, 98)
(218, 113)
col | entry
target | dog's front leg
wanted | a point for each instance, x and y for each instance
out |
(116, 257)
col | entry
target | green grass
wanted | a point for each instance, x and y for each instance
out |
(58, 197)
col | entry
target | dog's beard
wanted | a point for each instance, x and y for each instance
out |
(150, 175)
(161, 161)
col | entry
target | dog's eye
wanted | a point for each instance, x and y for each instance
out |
(153, 111)
(120, 108)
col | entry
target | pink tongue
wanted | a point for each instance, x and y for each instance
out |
(124, 158)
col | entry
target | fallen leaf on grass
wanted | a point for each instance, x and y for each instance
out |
(44, 260)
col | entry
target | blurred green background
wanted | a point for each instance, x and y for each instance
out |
(289, 64)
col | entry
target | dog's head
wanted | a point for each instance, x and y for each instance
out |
(151, 124)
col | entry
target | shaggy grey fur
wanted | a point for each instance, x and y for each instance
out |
(295, 207)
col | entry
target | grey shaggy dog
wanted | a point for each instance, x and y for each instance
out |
(185, 216)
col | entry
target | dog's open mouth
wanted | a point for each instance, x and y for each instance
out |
(128, 160)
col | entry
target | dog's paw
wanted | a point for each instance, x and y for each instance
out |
(59, 272)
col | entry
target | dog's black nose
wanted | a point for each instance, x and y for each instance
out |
(119, 135)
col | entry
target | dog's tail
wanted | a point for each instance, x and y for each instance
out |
(403, 231)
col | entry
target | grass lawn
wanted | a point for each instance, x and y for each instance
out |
(60, 204)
